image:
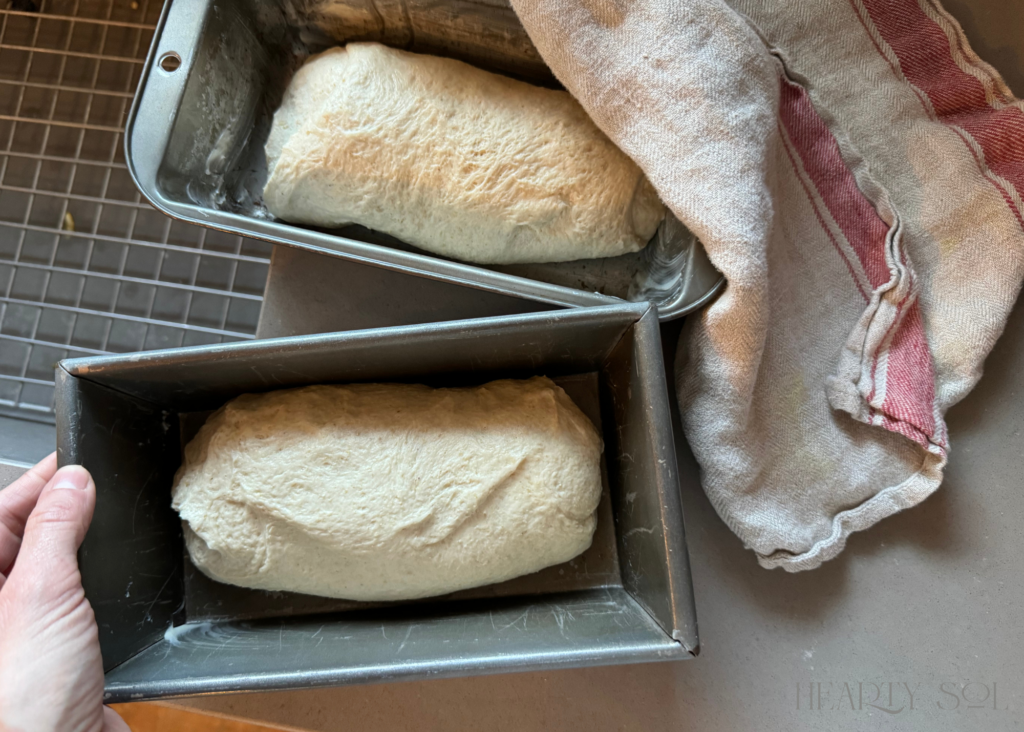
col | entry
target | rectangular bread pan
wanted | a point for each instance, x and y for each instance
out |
(216, 72)
(165, 630)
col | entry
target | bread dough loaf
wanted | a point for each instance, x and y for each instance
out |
(389, 491)
(452, 159)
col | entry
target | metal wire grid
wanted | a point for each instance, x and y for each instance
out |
(86, 267)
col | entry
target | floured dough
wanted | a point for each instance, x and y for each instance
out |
(389, 491)
(452, 159)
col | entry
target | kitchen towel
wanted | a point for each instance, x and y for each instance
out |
(855, 171)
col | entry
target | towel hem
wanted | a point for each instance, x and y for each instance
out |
(883, 504)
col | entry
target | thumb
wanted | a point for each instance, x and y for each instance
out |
(57, 525)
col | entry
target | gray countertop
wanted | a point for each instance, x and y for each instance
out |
(929, 599)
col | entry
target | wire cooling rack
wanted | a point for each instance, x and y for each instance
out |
(86, 266)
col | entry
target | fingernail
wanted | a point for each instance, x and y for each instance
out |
(72, 478)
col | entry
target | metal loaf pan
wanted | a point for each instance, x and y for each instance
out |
(124, 417)
(195, 136)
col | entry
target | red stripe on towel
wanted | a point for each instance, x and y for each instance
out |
(819, 152)
(908, 405)
(910, 377)
(926, 60)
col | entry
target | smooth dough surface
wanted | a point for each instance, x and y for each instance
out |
(452, 159)
(390, 491)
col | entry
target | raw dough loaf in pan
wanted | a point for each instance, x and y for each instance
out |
(390, 491)
(452, 159)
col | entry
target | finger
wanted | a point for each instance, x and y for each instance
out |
(112, 721)
(16, 503)
(58, 523)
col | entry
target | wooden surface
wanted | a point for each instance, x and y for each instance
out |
(148, 717)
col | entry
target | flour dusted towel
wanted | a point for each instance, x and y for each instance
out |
(452, 159)
(855, 171)
(390, 491)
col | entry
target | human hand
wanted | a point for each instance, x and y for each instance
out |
(51, 673)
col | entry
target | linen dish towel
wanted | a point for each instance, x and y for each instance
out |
(855, 171)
